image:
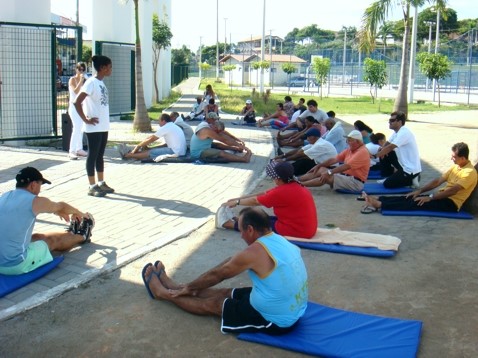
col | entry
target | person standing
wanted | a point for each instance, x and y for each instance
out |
(92, 106)
(74, 86)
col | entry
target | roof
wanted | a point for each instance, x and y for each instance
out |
(275, 58)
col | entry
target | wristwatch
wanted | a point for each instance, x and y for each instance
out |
(238, 202)
(431, 196)
(329, 171)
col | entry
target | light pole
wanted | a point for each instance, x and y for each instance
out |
(200, 57)
(437, 44)
(413, 51)
(261, 89)
(430, 25)
(344, 56)
(225, 36)
(217, 39)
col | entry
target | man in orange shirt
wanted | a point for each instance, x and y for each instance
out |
(351, 175)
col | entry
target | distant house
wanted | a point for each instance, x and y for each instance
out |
(245, 74)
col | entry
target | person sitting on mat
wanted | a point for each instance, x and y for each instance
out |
(197, 112)
(275, 302)
(317, 151)
(202, 146)
(399, 157)
(278, 119)
(173, 136)
(335, 134)
(221, 130)
(297, 138)
(460, 181)
(293, 205)
(21, 250)
(377, 141)
(351, 175)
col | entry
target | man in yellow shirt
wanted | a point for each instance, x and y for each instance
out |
(460, 181)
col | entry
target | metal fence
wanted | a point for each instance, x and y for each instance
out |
(121, 83)
(35, 64)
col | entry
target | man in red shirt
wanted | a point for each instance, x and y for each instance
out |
(351, 175)
(293, 205)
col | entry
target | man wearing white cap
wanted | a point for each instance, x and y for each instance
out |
(248, 113)
(351, 175)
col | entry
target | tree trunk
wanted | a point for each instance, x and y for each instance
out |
(155, 74)
(438, 88)
(401, 101)
(141, 120)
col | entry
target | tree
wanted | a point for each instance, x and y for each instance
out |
(321, 67)
(435, 67)
(161, 39)
(141, 121)
(181, 56)
(373, 17)
(86, 54)
(229, 68)
(205, 67)
(375, 75)
(288, 68)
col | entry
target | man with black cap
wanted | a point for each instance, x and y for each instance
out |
(21, 251)
(317, 151)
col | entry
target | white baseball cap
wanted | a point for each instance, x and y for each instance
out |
(248, 101)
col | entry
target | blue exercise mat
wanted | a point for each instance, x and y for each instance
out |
(9, 283)
(330, 332)
(437, 214)
(374, 174)
(376, 189)
(343, 249)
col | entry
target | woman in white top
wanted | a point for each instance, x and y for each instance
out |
(93, 107)
(74, 87)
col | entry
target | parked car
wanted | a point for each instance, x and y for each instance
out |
(64, 82)
(300, 81)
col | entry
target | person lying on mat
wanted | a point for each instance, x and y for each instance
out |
(351, 175)
(399, 157)
(293, 205)
(173, 135)
(460, 181)
(21, 250)
(202, 143)
(317, 151)
(274, 303)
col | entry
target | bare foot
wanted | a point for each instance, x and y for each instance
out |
(371, 201)
(157, 289)
(247, 156)
(166, 281)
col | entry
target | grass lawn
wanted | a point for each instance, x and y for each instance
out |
(232, 101)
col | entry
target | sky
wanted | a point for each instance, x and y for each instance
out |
(194, 22)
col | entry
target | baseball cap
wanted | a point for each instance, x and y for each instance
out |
(313, 132)
(30, 174)
(355, 134)
(212, 115)
(248, 101)
(280, 170)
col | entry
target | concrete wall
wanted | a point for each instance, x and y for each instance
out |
(31, 11)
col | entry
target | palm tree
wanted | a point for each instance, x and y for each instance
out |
(141, 120)
(385, 30)
(373, 17)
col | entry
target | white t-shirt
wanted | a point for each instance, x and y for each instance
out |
(96, 105)
(320, 115)
(373, 149)
(320, 151)
(187, 130)
(407, 150)
(174, 137)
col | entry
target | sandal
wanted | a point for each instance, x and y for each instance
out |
(368, 210)
(360, 198)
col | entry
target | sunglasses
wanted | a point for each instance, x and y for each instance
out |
(391, 120)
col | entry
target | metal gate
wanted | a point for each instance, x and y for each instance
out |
(36, 62)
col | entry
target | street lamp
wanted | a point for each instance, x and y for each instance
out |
(217, 39)
(430, 25)
(225, 36)
(262, 45)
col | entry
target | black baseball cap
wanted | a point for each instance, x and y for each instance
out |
(30, 174)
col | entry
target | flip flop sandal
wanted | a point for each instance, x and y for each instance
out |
(147, 280)
(368, 210)
(360, 198)
(156, 267)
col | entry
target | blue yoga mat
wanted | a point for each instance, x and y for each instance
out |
(374, 174)
(377, 189)
(437, 214)
(330, 332)
(343, 249)
(10, 283)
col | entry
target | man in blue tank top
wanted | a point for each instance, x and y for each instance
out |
(21, 250)
(279, 292)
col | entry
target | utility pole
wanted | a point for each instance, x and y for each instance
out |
(413, 51)
(261, 89)
(217, 39)
(437, 44)
(200, 57)
(225, 36)
(344, 56)
(430, 24)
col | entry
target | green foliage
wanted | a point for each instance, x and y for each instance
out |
(86, 54)
(321, 67)
(434, 66)
(161, 34)
(180, 56)
(375, 74)
(205, 66)
(288, 68)
(256, 65)
(265, 64)
(229, 67)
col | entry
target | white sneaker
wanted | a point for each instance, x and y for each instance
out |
(122, 149)
(72, 156)
(381, 181)
(81, 153)
(416, 182)
(223, 215)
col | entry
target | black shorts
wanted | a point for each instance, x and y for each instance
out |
(238, 316)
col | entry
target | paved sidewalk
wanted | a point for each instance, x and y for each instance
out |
(154, 204)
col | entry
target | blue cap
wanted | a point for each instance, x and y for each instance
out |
(313, 132)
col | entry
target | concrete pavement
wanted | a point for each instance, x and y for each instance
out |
(153, 204)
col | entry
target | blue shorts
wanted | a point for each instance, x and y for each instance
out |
(38, 254)
(153, 153)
